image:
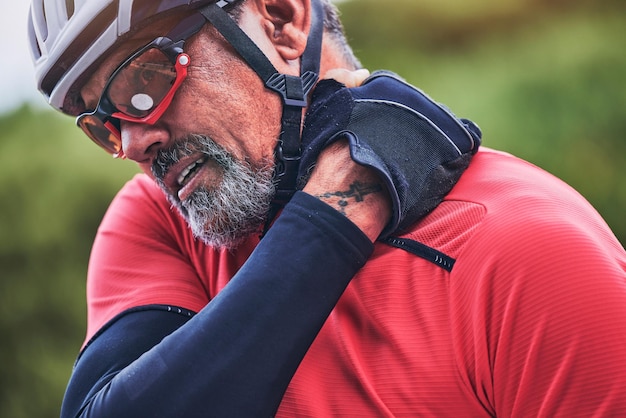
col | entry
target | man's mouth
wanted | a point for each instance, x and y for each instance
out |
(187, 174)
(189, 164)
(178, 177)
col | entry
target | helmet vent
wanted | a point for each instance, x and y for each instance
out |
(69, 7)
(79, 46)
(32, 36)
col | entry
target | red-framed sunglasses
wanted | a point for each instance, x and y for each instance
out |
(141, 88)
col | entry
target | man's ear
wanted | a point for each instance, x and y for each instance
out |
(287, 24)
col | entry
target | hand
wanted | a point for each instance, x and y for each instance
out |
(417, 147)
(354, 190)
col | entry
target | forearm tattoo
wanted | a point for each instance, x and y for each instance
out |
(357, 191)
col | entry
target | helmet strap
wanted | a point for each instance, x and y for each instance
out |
(293, 90)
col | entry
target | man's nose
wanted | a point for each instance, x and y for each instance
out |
(141, 142)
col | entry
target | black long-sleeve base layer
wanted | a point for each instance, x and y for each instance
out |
(236, 356)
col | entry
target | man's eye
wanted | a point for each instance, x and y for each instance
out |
(146, 75)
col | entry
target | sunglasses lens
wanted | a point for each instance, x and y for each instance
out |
(100, 133)
(139, 91)
(142, 83)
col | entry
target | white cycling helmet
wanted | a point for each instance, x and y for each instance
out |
(67, 37)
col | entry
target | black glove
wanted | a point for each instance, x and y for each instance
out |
(418, 147)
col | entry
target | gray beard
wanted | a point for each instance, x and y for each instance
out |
(227, 215)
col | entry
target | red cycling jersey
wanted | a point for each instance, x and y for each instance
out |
(530, 321)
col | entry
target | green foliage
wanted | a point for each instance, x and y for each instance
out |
(54, 188)
(545, 82)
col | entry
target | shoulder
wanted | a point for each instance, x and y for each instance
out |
(504, 208)
(539, 279)
(509, 220)
(528, 208)
(143, 254)
(535, 250)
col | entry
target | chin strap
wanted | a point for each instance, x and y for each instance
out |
(293, 90)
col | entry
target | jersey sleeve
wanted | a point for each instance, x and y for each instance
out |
(542, 330)
(138, 257)
(237, 356)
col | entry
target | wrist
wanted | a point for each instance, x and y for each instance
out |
(354, 190)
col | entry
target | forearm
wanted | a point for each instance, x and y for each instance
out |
(237, 356)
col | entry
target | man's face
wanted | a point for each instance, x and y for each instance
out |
(212, 150)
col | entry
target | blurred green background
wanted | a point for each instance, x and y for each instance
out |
(545, 81)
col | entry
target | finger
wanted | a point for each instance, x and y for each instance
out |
(347, 77)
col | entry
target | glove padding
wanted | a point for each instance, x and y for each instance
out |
(418, 147)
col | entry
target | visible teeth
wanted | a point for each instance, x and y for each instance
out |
(183, 175)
